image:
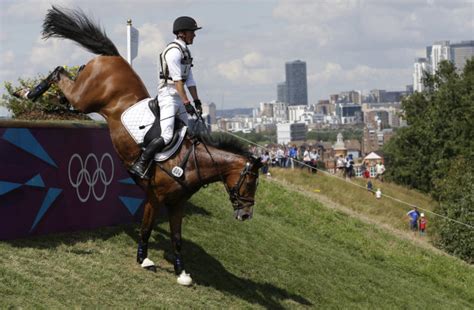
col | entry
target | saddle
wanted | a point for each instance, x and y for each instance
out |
(142, 121)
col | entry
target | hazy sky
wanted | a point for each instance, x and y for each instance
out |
(241, 51)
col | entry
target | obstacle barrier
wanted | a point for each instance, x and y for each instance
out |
(60, 177)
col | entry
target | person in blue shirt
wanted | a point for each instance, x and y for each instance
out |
(293, 154)
(414, 215)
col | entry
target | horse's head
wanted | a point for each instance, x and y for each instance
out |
(242, 193)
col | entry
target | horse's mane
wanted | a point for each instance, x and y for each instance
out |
(223, 141)
(76, 26)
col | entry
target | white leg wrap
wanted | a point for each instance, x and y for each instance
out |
(147, 263)
(184, 279)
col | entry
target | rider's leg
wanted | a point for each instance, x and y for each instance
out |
(141, 165)
(167, 113)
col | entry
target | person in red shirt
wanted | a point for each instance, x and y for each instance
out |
(422, 224)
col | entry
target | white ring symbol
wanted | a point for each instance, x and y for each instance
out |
(84, 175)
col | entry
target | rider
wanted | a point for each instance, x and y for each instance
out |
(175, 73)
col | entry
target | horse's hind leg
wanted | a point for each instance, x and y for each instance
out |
(42, 87)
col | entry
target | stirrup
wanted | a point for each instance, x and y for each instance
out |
(143, 175)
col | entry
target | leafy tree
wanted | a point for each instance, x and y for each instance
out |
(440, 128)
(456, 196)
(51, 105)
(435, 153)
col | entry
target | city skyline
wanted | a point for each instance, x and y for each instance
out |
(240, 57)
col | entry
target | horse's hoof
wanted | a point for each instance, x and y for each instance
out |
(148, 264)
(22, 93)
(184, 279)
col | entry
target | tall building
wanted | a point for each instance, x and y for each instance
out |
(296, 84)
(210, 109)
(460, 52)
(281, 92)
(439, 51)
(421, 67)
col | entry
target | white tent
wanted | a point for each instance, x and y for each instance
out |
(372, 156)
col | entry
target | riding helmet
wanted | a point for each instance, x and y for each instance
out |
(184, 23)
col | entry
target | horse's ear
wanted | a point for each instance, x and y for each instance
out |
(257, 162)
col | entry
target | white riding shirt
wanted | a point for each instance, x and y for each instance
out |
(168, 97)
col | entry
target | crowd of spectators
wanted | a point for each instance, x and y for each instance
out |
(311, 158)
(288, 157)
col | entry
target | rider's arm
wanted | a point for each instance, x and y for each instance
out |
(191, 84)
(181, 91)
(193, 92)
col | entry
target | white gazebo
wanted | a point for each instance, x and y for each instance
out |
(372, 157)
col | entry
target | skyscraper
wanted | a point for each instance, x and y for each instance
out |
(296, 84)
(281, 92)
(439, 51)
(421, 66)
(460, 52)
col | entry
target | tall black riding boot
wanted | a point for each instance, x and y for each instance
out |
(140, 167)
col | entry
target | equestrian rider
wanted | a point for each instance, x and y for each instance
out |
(176, 63)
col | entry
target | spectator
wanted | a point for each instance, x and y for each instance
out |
(307, 159)
(349, 166)
(293, 155)
(369, 186)
(378, 193)
(366, 170)
(379, 169)
(314, 157)
(280, 155)
(413, 216)
(265, 162)
(422, 224)
(340, 165)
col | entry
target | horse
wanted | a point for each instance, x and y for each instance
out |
(108, 85)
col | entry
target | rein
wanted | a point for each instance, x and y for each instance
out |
(235, 198)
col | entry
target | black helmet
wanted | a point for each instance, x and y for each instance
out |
(184, 23)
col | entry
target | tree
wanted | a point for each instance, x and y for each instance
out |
(456, 196)
(51, 105)
(440, 129)
(435, 153)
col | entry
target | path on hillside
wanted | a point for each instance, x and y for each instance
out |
(327, 202)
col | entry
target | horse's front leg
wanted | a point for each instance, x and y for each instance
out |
(148, 220)
(175, 219)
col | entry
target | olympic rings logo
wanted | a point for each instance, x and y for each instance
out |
(91, 178)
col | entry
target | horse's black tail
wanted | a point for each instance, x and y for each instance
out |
(76, 26)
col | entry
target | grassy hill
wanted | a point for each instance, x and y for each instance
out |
(294, 253)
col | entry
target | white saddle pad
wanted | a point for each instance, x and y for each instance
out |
(138, 119)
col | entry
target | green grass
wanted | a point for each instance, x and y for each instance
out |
(294, 253)
(345, 193)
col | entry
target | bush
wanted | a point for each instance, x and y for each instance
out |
(51, 105)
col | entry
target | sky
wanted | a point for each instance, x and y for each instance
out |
(240, 54)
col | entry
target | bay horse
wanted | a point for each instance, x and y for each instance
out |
(108, 85)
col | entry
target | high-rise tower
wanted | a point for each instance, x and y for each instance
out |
(296, 84)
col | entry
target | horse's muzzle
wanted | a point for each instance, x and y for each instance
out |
(244, 213)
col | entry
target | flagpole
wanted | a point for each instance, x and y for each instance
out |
(129, 41)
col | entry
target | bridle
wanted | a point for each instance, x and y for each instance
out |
(238, 201)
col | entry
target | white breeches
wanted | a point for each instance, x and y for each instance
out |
(170, 105)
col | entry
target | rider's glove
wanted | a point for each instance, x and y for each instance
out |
(198, 105)
(189, 108)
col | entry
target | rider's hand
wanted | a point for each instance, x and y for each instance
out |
(198, 105)
(189, 108)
